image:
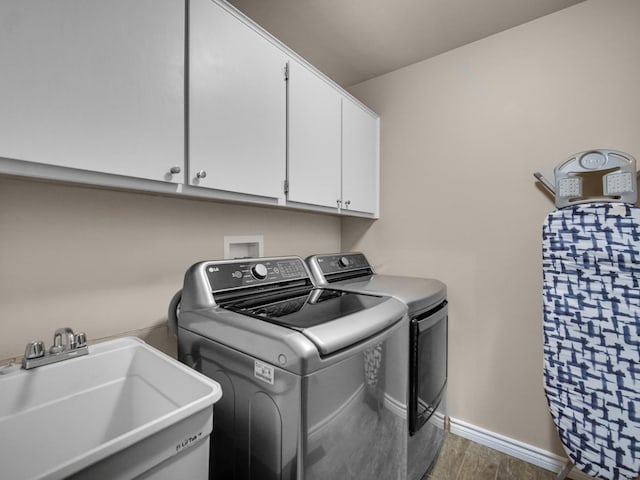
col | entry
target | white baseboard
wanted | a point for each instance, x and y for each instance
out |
(528, 453)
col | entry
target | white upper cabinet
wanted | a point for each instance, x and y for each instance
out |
(96, 91)
(314, 139)
(237, 105)
(360, 165)
(94, 85)
(333, 146)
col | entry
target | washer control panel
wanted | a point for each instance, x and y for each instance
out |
(225, 275)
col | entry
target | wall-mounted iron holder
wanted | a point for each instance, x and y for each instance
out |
(593, 176)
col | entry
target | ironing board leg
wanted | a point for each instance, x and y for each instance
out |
(565, 471)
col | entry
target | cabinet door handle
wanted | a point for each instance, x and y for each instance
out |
(339, 203)
(201, 174)
(347, 203)
(175, 170)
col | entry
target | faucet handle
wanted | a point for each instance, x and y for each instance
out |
(81, 339)
(34, 350)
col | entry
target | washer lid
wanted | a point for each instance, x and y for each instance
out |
(331, 319)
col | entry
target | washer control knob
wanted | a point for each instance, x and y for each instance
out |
(259, 271)
(344, 261)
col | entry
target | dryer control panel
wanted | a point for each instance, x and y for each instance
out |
(341, 262)
(338, 266)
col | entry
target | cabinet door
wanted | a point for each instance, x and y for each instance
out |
(93, 84)
(314, 138)
(360, 140)
(237, 105)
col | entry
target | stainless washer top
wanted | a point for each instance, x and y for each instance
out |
(270, 306)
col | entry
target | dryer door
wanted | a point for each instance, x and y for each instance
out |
(427, 364)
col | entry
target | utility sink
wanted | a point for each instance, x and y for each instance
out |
(124, 410)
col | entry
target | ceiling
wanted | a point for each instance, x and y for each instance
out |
(354, 40)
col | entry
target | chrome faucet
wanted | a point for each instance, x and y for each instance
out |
(63, 339)
(66, 344)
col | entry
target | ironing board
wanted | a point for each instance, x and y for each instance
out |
(591, 306)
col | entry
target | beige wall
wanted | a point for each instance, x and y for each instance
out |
(108, 262)
(462, 134)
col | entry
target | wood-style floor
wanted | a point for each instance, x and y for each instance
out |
(462, 459)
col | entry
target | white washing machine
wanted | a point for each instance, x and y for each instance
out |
(424, 367)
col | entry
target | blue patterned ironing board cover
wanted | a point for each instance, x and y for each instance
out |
(591, 301)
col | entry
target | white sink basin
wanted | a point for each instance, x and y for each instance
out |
(114, 413)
